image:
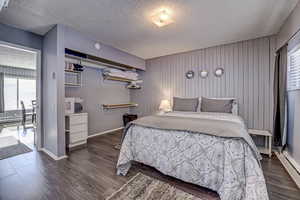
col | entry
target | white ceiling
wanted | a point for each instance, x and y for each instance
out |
(14, 57)
(125, 24)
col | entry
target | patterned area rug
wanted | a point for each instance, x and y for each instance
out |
(9, 146)
(147, 188)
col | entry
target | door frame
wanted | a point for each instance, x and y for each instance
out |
(38, 90)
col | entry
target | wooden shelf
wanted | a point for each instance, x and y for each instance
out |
(115, 78)
(115, 106)
(72, 85)
(102, 61)
(72, 71)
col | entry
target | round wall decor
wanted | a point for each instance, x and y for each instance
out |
(219, 72)
(190, 74)
(203, 73)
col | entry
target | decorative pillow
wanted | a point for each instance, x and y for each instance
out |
(185, 104)
(216, 105)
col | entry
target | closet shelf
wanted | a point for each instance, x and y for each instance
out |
(72, 85)
(72, 71)
(115, 78)
(115, 106)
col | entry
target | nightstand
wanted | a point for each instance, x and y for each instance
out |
(267, 149)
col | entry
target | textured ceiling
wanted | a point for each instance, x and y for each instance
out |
(126, 25)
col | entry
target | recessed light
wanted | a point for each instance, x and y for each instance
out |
(162, 18)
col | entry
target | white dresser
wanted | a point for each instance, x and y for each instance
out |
(76, 129)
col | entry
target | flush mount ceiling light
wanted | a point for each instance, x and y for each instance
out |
(162, 18)
(3, 4)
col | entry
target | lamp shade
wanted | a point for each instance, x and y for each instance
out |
(165, 105)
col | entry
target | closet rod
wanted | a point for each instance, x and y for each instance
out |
(93, 62)
(102, 61)
(116, 106)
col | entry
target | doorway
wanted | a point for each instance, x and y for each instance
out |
(20, 97)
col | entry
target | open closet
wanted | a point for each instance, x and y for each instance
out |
(87, 88)
(97, 95)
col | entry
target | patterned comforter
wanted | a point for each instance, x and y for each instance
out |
(226, 165)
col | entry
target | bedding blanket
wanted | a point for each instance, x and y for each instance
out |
(208, 149)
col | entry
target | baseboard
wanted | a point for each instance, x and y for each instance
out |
(292, 161)
(77, 144)
(105, 132)
(289, 168)
(53, 156)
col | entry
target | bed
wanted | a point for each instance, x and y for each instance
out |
(212, 150)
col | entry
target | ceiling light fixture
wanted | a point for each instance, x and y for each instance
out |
(3, 4)
(162, 18)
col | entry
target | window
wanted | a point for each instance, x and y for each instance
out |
(26, 92)
(10, 93)
(293, 73)
(17, 90)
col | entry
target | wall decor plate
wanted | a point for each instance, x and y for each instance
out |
(190, 74)
(219, 72)
(203, 73)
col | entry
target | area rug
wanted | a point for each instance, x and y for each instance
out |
(142, 187)
(10, 146)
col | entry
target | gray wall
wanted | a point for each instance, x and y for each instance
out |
(249, 68)
(53, 91)
(50, 63)
(290, 27)
(20, 37)
(61, 90)
(95, 92)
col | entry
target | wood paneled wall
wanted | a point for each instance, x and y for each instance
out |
(249, 69)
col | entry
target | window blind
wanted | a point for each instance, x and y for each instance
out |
(293, 74)
(17, 72)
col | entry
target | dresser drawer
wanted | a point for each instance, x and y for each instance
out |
(78, 128)
(77, 137)
(78, 119)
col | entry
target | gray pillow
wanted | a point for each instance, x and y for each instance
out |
(185, 104)
(216, 105)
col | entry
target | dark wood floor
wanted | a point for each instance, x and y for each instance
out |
(90, 174)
